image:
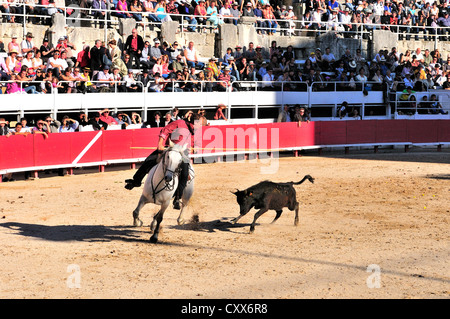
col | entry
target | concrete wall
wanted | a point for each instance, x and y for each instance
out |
(215, 44)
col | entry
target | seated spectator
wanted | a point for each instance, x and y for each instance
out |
(41, 128)
(68, 81)
(191, 56)
(158, 85)
(107, 118)
(136, 118)
(130, 83)
(136, 10)
(186, 8)
(301, 115)
(225, 13)
(285, 114)
(121, 10)
(123, 120)
(4, 129)
(105, 80)
(270, 21)
(200, 14)
(436, 107)
(68, 125)
(97, 123)
(219, 112)
(235, 13)
(224, 80)
(149, 10)
(18, 130)
(267, 80)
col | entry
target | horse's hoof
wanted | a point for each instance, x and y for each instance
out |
(137, 223)
(154, 239)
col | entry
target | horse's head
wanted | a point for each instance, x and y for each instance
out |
(173, 157)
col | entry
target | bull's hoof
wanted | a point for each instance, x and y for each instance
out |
(180, 222)
(137, 222)
(154, 239)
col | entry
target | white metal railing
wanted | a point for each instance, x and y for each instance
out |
(294, 26)
(256, 99)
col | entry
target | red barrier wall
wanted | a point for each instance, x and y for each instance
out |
(73, 148)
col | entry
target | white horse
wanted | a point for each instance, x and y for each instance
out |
(160, 186)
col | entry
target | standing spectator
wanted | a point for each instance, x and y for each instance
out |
(83, 58)
(133, 46)
(116, 57)
(96, 54)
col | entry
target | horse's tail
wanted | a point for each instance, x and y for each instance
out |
(307, 177)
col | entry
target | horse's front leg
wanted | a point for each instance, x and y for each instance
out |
(157, 220)
(136, 221)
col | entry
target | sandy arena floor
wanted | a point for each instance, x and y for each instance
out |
(71, 237)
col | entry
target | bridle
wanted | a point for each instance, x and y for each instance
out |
(167, 185)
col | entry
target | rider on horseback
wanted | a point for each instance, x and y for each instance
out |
(180, 132)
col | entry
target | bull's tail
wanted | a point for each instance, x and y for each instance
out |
(307, 177)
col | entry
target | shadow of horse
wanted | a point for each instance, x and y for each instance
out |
(212, 226)
(89, 233)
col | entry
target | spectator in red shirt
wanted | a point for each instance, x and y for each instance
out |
(107, 118)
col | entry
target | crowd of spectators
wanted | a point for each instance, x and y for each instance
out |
(407, 17)
(411, 17)
(160, 67)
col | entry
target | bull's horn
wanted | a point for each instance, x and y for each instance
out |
(171, 144)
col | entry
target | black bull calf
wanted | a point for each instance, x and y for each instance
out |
(268, 195)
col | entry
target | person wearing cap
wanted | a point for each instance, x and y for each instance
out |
(11, 61)
(224, 80)
(106, 118)
(13, 45)
(235, 12)
(105, 78)
(46, 50)
(155, 52)
(27, 44)
(180, 132)
(56, 63)
(237, 54)
(248, 10)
